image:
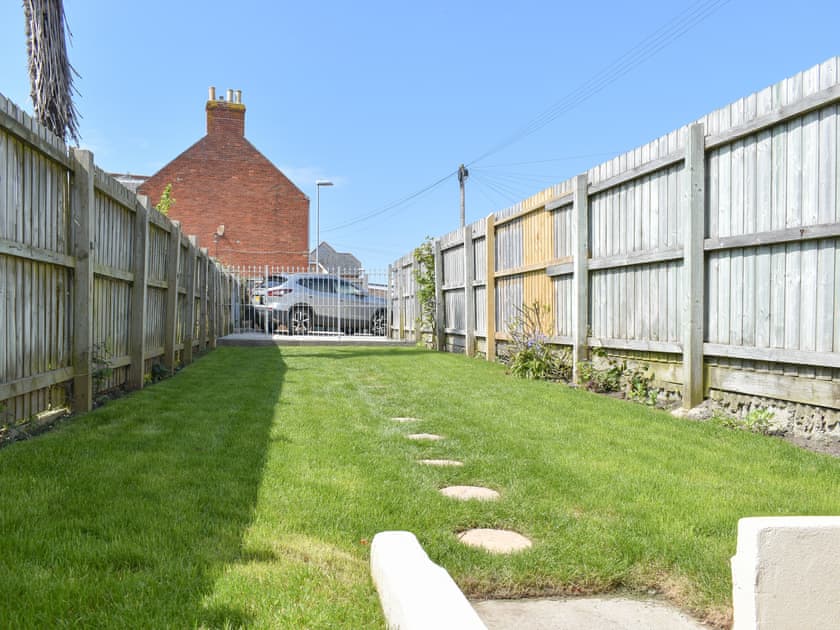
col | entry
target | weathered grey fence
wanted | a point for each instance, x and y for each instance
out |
(95, 288)
(710, 253)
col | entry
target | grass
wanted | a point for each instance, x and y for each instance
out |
(244, 492)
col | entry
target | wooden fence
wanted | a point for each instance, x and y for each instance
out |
(95, 287)
(711, 254)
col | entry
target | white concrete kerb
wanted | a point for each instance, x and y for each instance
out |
(417, 594)
(785, 573)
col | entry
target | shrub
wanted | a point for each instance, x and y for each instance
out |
(530, 355)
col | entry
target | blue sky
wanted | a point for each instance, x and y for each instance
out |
(386, 98)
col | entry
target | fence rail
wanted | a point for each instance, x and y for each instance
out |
(710, 253)
(95, 287)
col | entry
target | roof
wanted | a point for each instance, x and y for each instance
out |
(332, 260)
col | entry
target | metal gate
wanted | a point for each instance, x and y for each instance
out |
(290, 301)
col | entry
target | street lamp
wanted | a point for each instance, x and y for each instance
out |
(318, 184)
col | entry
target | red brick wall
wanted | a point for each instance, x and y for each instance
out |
(223, 180)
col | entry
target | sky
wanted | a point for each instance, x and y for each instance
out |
(386, 99)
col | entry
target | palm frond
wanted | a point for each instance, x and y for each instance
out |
(50, 73)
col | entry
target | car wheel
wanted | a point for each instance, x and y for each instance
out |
(299, 321)
(377, 324)
(259, 321)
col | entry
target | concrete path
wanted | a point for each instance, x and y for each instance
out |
(583, 613)
(252, 338)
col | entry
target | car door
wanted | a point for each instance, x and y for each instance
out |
(324, 301)
(352, 305)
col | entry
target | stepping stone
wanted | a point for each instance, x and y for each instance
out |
(406, 419)
(494, 540)
(424, 436)
(440, 462)
(465, 493)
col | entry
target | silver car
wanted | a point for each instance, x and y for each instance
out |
(303, 302)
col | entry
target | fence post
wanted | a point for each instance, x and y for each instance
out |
(415, 297)
(81, 208)
(140, 265)
(440, 306)
(580, 279)
(693, 220)
(213, 302)
(189, 310)
(203, 263)
(469, 293)
(170, 326)
(490, 290)
(401, 300)
(389, 305)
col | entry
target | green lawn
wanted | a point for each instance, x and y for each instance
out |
(245, 490)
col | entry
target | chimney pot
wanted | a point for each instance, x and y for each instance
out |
(226, 114)
(211, 96)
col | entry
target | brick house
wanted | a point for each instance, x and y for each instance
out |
(241, 207)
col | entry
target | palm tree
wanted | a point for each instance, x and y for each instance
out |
(50, 72)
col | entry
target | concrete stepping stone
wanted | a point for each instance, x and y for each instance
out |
(424, 436)
(405, 419)
(465, 493)
(494, 540)
(440, 462)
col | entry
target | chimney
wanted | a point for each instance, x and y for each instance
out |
(225, 115)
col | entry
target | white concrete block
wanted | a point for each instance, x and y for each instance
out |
(786, 573)
(417, 594)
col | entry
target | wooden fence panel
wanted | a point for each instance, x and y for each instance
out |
(509, 296)
(510, 249)
(55, 337)
(765, 178)
(563, 234)
(563, 305)
(35, 303)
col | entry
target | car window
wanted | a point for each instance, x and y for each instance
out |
(322, 285)
(348, 288)
(275, 281)
(268, 283)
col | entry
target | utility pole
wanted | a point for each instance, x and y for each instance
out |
(463, 173)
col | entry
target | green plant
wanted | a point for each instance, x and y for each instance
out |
(530, 355)
(638, 382)
(601, 380)
(158, 372)
(758, 420)
(424, 275)
(166, 201)
(100, 363)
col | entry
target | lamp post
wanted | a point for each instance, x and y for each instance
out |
(318, 184)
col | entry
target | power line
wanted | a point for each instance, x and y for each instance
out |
(637, 55)
(391, 205)
(559, 159)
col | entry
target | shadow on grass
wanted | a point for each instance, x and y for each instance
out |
(126, 517)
